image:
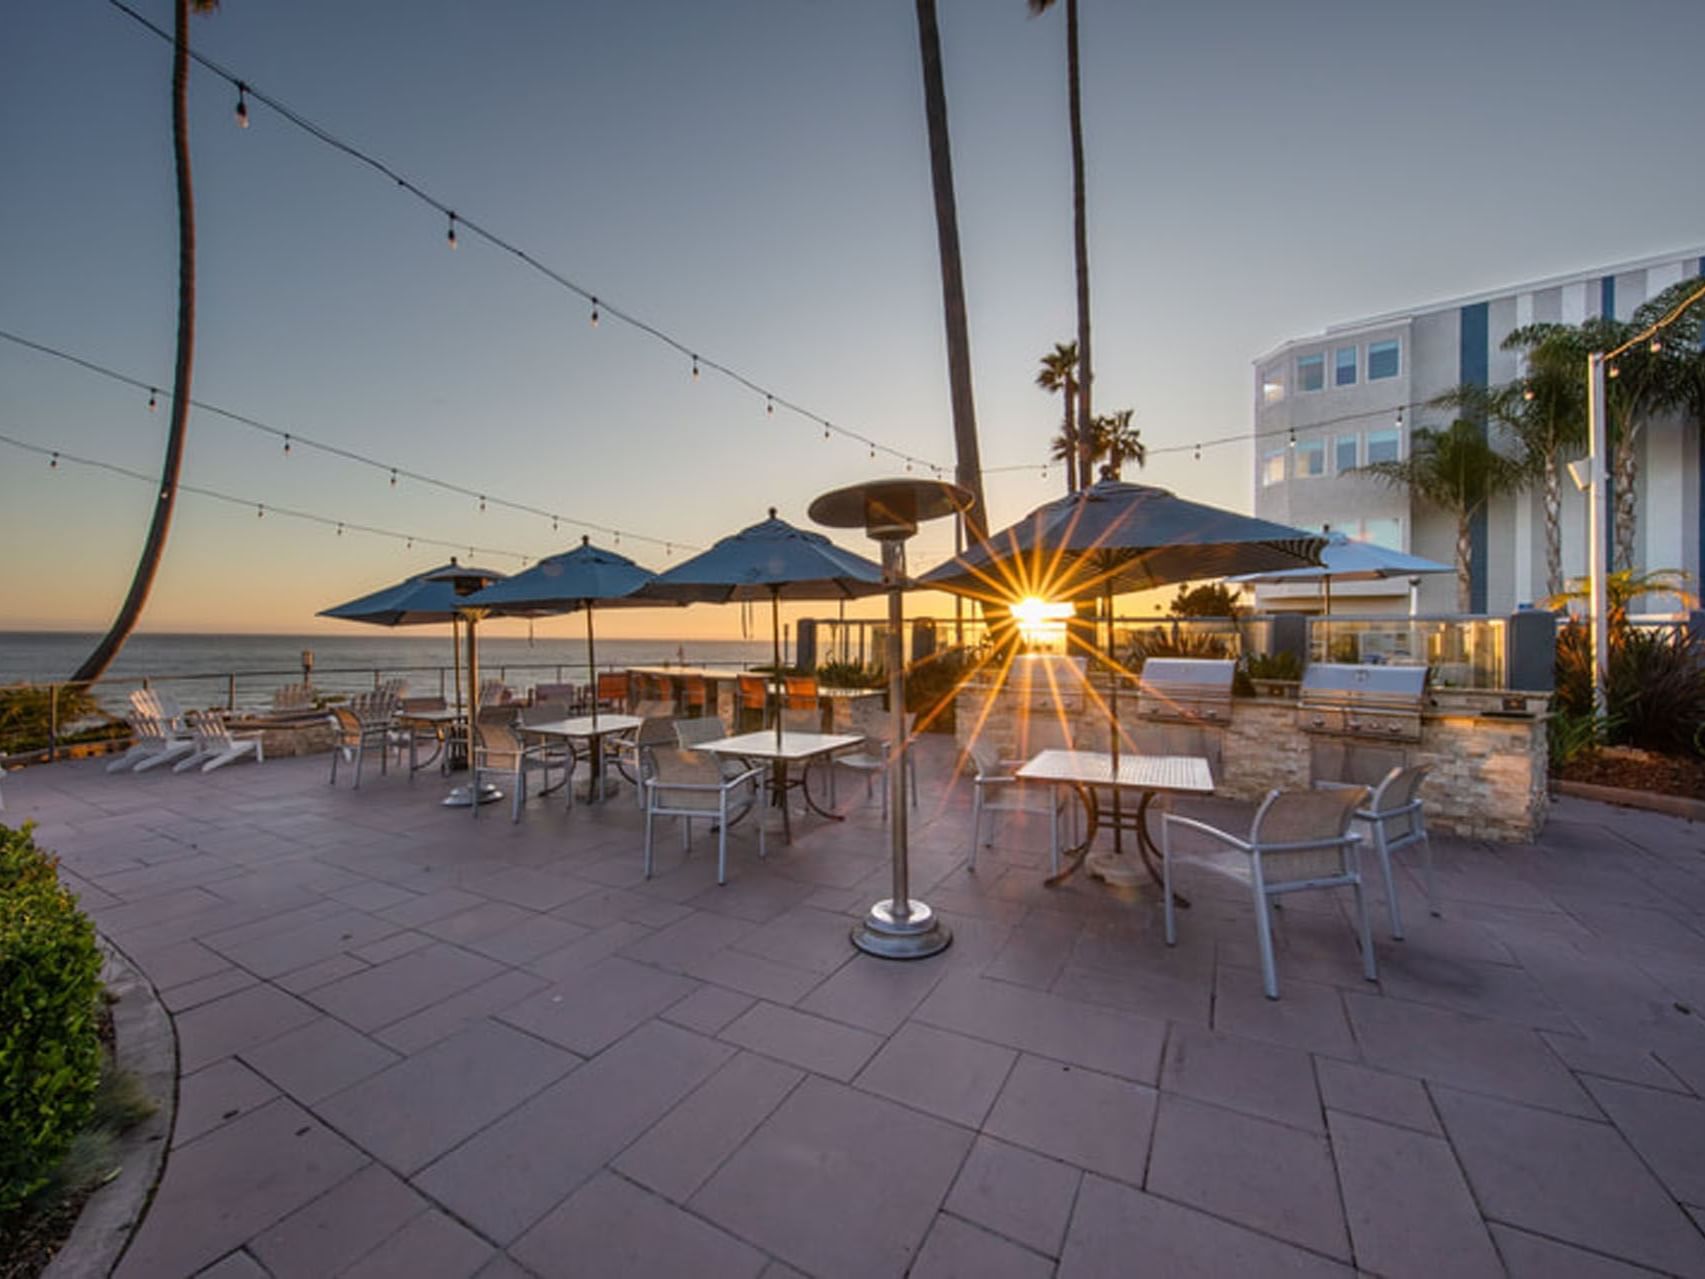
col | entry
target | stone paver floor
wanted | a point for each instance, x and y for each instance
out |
(413, 1043)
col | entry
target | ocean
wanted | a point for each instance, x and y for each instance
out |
(201, 670)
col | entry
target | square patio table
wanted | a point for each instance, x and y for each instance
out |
(1149, 775)
(592, 729)
(440, 722)
(799, 748)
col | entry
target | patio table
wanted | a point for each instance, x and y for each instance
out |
(591, 729)
(803, 749)
(1149, 775)
(439, 721)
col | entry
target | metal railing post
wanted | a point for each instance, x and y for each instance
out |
(52, 722)
(231, 691)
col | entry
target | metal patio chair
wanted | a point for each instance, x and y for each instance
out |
(688, 784)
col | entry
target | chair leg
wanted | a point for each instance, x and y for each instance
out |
(649, 817)
(520, 785)
(1383, 852)
(976, 825)
(1264, 931)
(1369, 970)
(1427, 865)
(360, 747)
(722, 848)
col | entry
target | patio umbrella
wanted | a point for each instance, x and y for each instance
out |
(771, 560)
(1344, 559)
(584, 578)
(1114, 538)
(417, 601)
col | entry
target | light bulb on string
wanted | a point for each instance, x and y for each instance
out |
(873, 452)
(769, 406)
(410, 545)
(908, 466)
(242, 105)
(1400, 416)
(594, 312)
(393, 477)
(825, 430)
(260, 511)
(1527, 394)
(618, 538)
(340, 528)
(1612, 371)
(1657, 345)
(1292, 441)
(53, 462)
(1198, 452)
(482, 503)
(287, 444)
(553, 523)
(695, 368)
(450, 238)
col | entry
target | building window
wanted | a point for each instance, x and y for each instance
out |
(1344, 366)
(1346, 453)
(1386, 531)
(1383, 446)
(1383, 360)
(1311, 372)
(1272, 385)
(1272, 468)
(1311, 457)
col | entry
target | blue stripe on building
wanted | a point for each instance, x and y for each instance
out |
(1474, 363)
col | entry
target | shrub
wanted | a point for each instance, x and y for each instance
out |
(1161, 641)
(1654, 689)
(850, 675)
(50, 1051)
(27, 716)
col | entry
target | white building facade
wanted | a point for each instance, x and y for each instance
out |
(1328, 403)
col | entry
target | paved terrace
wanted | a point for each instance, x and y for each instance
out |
(419, 1046)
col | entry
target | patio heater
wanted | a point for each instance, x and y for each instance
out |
(465, 583)
(899, 927)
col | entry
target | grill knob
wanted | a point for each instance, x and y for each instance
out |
(1320, 721)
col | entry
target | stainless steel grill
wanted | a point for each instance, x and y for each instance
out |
(1377, 702)
(1177, 690)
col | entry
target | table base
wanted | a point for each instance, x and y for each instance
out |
(1116, 871)
(918, 936)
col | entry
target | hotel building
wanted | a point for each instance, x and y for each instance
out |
(1333, 401)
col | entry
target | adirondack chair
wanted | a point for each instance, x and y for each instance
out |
(216, 745)
(157, 737)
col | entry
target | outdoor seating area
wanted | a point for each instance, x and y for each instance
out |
(561, 1038)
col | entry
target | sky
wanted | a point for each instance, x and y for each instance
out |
(751, 177)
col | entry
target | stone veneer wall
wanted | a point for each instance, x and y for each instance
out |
(1488, 778)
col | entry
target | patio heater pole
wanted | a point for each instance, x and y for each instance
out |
(900, 927)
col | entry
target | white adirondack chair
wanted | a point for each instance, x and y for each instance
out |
(216, 745)
(156, 743)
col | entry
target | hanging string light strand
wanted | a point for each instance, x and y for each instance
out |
(459, 221)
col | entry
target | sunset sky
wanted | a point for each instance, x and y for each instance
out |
(750, 176)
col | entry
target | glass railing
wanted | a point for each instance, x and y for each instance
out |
(1463, 652)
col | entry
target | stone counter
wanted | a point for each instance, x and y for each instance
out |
(1488, 778)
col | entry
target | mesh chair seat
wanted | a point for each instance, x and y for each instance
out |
(689, 784)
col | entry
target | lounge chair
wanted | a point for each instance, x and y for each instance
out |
(216, 745)
(153, 744)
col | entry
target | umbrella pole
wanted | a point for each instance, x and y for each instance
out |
(775, 644)
(591, 666)
(1113, 714)
(455, 659)
(1326, 618)
(473, 704)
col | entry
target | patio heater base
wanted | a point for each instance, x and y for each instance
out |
(1120, 872)
(461, 796)
(917, 936)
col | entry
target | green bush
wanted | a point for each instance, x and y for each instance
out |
(851, 675)
(1654, 688)
(50, 1051)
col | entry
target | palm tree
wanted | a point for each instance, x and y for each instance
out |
(1457, 470)
(1546, 414)
(1059, 373)
(1115, 439)
(969, 468)
(143, 580)
(1080, 226)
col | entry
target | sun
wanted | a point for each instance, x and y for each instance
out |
(1041, 621)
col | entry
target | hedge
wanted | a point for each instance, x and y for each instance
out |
(50, 1051)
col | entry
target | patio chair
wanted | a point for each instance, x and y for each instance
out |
(801, 719)
(799, 692)
(363, 720)
(752, 702)
(995, 789)
(612, 691)
(1394, 817)
(871, 722)
(1300, 839)
(630, 752)
(695, 695)
(687, 785)
(500, 748)
(408, 735)
(494, 692)
(216, 745)
(569, 696)
(155, 743)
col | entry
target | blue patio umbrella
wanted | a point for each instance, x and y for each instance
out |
(771, 560)
(1344, 559)
(586, 577)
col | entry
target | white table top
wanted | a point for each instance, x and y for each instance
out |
(794, 745)
(583, 726)
(443, 715)
(1187, 773)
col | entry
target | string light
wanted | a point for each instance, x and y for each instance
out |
(825, 430)
(287, 444)
(482, 503)
(153, 399)
(1527, 393)
(340, 528)
(1656, 346)
(1292, 440)
(594, 312)
(53, 462)
(1612, 371)
(242, 105)
(260, 511)
(1198, 452)
(450, 239)
(695, 368)
(873, 452)
(393, 477)
(1400, 417)
(770, 407)
(410, 545)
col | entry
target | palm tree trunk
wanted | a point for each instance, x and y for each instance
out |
(1069, 394)
(1080, 241)
(969, 468)
(98, 661)
(1552, 500)
(1464, 550)
(1627, 472)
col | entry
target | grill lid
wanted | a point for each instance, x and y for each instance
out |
(1186, 689)
(1345, 681)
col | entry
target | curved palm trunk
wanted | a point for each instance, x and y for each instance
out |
(98, 661)
(968, 470)
(1552, 501)
(1080, 244)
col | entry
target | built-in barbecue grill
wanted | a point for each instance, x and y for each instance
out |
(1360, 719)
(1178, 690)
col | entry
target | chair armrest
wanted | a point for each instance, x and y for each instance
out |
(751, 774)
(1305, 845)
(1190, 823)
(1326, 785)
(995, 779)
